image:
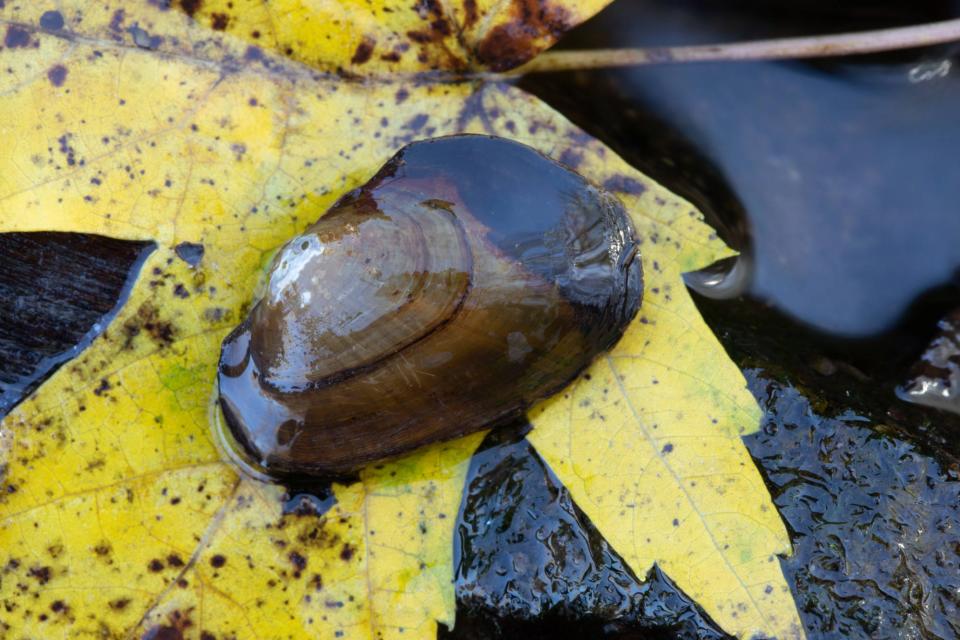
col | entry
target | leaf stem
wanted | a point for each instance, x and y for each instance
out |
(840, 44)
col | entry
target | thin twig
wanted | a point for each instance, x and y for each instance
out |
(840, 44)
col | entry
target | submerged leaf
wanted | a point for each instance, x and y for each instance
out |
(119, 514)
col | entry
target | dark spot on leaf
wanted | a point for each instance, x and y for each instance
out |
(102, 388)
(624, 184)
(676, 522)
(51, 20)
(41, 574)
(401, 96)
(298, 561)
(571, 157)
(217, 561)
(364, 51)
(116, 20)
(190, 7)
(425, 8)
(16, 37)
(148, 319)
(416, 122)
(57, 75)
(174, 560)
(219, 21)
(511, 44)
(155, 566)
(667, 448)
(180, 291)
(420, 37)
(347, 552)
(58, 606)
(177, 623)
(163, 632)
(470, 13)
(119, 604)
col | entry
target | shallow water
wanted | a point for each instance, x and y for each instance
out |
(838, 179)
(874, 522)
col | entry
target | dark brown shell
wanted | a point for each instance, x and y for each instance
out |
(470, 277)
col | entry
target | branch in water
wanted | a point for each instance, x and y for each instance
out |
(840, 44)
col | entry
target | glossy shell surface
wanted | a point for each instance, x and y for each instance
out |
(468, 278)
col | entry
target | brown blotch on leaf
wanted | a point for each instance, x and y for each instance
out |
(217, 561)
(347, 552)
(624, 184)
(155, 566)
(469, 13)
(119, 604)
(148, 319)
(364, 50)
(511, 44)
(57, 75)
(439, 27)
(219, 21)
(190, 7)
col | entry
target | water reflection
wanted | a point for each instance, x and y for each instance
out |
(847, 173)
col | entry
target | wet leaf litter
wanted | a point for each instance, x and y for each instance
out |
(174, 123)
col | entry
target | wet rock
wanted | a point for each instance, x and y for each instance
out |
(530, 564)
(935, 379)
(875, 523)
(60, 291)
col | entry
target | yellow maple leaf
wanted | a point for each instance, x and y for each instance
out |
(120, 516)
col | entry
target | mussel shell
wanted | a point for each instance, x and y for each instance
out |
(470, 277)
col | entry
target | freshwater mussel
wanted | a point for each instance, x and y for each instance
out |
(468, 278)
